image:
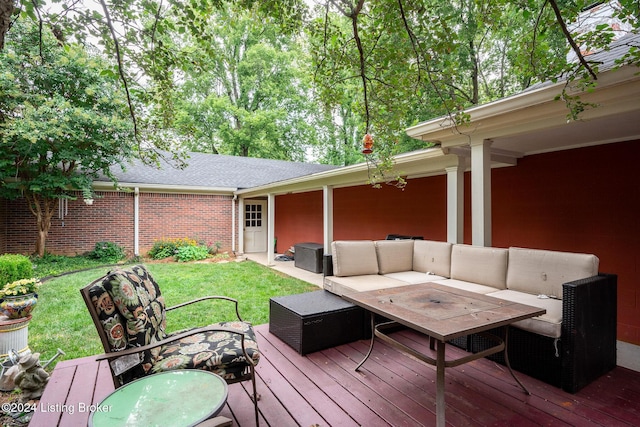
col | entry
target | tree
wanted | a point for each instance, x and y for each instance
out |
(411, 60)
(62, 123)
(246, 91)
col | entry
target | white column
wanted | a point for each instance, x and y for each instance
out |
(136, 221)
(327, 217)
(271, 235)
(455, 202)
(481, 192)
(241, 225)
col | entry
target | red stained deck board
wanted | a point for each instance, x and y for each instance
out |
(323, 388)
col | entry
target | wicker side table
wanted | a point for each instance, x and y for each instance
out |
(316, 320)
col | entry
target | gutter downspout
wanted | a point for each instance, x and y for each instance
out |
(233, 223)
(136, 222)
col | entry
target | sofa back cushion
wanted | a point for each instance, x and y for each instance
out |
(394, 256)
(481, 265)
(433, 257)
(542, 272)
(354, 257)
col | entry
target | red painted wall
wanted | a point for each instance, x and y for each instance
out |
(298, 219)
(582, 200)
(364, 212)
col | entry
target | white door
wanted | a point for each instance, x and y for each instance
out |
(255, 226)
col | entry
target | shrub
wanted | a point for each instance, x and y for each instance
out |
(14, 267)
(192, 253)
(169, 247)
(107, 252)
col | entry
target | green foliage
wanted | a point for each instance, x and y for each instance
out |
(54, 265)
(14, 267)
(62, 123)
(248, 92)
(108, 252)
(168, 247)
(192, 253)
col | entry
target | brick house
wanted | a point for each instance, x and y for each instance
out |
(196, 202)
(518, 174)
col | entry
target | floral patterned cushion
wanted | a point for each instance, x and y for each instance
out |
(138, 299)
(132, 311)
(110, 318)
(218, 352)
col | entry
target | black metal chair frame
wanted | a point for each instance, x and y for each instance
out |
(122, 361)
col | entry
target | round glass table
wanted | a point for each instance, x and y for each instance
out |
(183, 397)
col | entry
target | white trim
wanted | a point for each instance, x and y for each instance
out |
(271, 236)
(136, 222)
(327, 217)
(163, 188)
(628, 355)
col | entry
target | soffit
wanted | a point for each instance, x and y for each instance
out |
(534, 122)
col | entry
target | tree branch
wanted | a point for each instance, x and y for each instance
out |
(121, 70)
(570, 39)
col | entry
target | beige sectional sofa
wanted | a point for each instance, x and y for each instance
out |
(569, 346)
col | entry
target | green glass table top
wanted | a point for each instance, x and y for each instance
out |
(175, 398)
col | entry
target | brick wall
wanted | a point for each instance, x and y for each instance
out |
(76, 228)
(3, 226)
(203, 217)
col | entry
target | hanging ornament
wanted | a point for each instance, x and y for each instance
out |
(367, 142)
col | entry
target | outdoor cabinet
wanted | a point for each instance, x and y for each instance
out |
(315, 321)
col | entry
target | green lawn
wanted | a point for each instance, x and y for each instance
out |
(61, 320)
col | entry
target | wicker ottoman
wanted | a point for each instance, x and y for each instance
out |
(308, 256)
(315, 320)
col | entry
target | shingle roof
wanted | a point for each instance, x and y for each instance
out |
(216, 171)
(604, 59)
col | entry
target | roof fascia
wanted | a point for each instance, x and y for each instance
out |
(420, 163)
(536, 109)
(161, 188)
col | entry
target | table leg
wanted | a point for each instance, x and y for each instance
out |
(440, 405)
(506, 359)
(373, 337)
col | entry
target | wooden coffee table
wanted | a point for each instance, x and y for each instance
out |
(183, 397)
(443, 313)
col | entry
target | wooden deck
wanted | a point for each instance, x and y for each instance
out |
(392, 389)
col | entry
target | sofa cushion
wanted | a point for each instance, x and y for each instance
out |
(549, 324)
(414, 277)
(371, 282)
(478, 264)
(543, 272)
(432, 256)
(354, 258)
(467, 286)
(394, 255)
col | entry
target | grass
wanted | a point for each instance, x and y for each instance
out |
(61, 320)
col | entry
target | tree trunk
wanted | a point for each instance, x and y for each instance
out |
(42, 209)
(6, 11)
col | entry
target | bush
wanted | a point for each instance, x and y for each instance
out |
(169, 247)
(107, 252)
(192, 253)
(14, 267)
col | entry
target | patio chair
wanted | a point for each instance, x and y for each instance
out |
(129, 313)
